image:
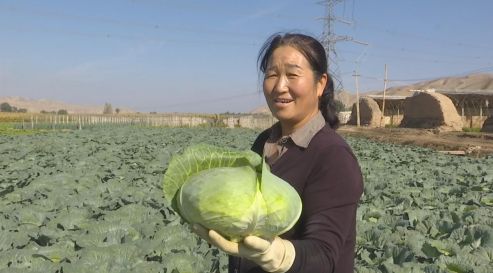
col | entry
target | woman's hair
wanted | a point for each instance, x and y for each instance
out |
(314, 52)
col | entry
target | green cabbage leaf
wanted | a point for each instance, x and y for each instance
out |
(230, 191)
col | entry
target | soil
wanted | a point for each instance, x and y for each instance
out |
(456, 143)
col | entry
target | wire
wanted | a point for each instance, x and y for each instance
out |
(449, 60)
(159, 27)
(107, 35)
(206, 7)
(475, 71)
(423, 38)
(352, 12)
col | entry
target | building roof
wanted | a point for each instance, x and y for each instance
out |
(466, 92)
(387, 97)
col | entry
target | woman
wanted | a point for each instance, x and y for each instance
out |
(303, 149)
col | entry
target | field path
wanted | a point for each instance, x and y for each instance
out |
(475, 144)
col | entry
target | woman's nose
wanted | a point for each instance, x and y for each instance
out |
(281, 84)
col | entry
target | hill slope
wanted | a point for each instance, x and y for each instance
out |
(36, 106)
(471, 82)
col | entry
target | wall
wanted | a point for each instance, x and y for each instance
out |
(468, 122)
(250, 121)
(344, 116)
(474, 121)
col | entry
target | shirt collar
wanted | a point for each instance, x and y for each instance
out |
(302, 136)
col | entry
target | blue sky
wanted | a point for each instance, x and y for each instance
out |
(200, 56)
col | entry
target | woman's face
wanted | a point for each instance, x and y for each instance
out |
(290, 88)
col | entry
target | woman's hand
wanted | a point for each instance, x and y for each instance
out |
(273, 256)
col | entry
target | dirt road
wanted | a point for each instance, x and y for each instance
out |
(460, 143)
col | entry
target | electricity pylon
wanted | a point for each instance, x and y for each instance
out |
(330, 38)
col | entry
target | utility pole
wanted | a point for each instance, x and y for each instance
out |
(329, 38)
(356, 75)
(382, 121)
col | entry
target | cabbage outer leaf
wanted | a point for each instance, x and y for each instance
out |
(202, 157)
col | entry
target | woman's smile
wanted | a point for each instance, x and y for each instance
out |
(282, 102)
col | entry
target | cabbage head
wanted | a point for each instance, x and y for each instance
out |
(230, 191)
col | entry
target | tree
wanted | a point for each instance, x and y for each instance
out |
(339, 106)
(62, 112)
(22, 110)
(108, 109)
(5, 107)
(117, 110)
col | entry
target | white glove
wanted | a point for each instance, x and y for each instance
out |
(273, 256)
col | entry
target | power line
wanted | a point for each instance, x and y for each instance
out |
(475, 71)
(109, 35)
(206, 7)
(432, 59)
(155, 27)
(421, 38)
(420, 52)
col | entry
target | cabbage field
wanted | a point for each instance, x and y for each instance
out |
(92, 201)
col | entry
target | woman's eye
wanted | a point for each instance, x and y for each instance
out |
(292, 75)
(270, 75)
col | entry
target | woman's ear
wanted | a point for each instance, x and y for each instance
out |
(322, 81)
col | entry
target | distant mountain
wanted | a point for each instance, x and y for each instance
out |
(348, 99)
(264, 109)
(36, 106)
(471, 82)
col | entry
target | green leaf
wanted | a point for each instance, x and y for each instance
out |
(202, 157)
(456, 265)
(436, 248)
(401, 255)
(181, 263)
(275, 192)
